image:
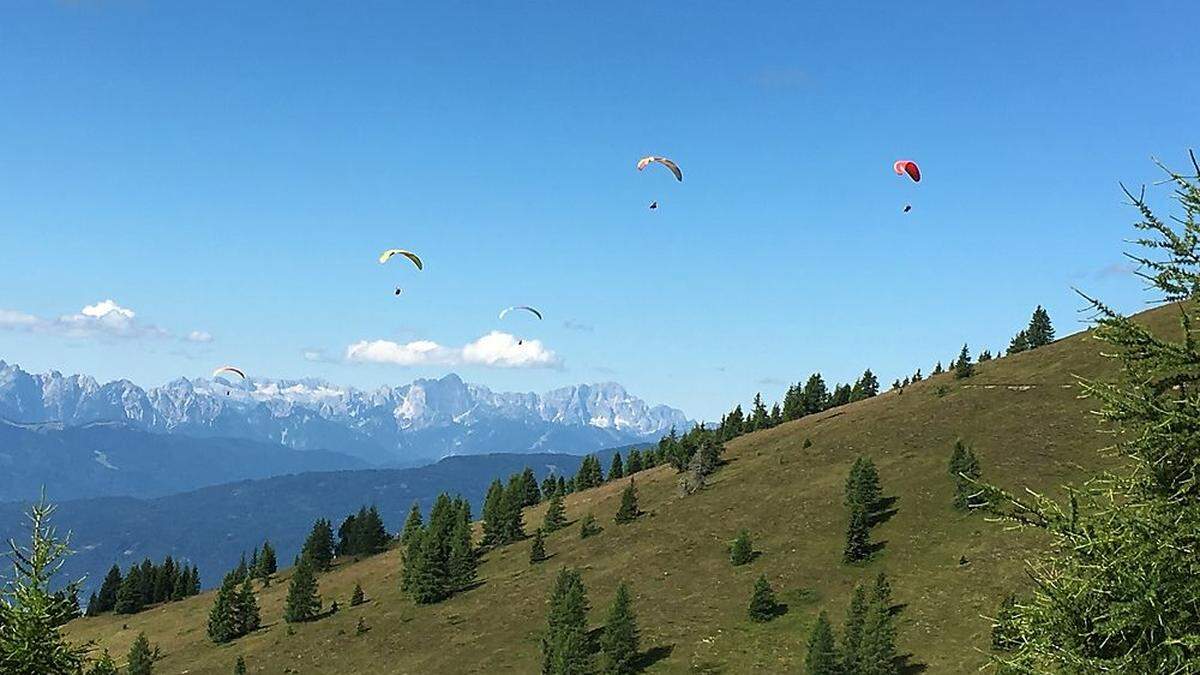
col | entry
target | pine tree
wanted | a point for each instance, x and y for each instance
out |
(793, 404)
(129, 595)
(537, 551)
(413, 523)
(866, 387)
(1004, 635)
(357, 598)
(852, 633)
(239, 667)
(742, 550)
(318, 548)
(141, 657)
(245, 609)
(30, 615)
(963, 368)
(815, 396)
(565, 647)
(222, 624)
(91, 604)
(822, 656)
(841, 395)
(985, 356)
(511, 504)
(1116, 589)
(634, 463)
(759, 417)
(463, 562)
(616, 469)
(588, 526)
(858, 537)
(1019, 343)
(556, 515)
(302, 603)
(106, 599)
(1039, 333)
(628, 511)
(267, 565)
(862, 490)
(493, 514)
(533, 495)
(763, 605)
(964, 469)
(937, 368)
(877, 653)
(620, 641)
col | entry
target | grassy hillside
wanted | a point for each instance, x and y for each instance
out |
(1021, 414)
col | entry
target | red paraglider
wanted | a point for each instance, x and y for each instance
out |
(907, 166)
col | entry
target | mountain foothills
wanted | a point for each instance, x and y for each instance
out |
(408, 425)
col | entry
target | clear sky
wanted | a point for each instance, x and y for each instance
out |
(235, 171)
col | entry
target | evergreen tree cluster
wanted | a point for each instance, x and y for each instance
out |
(303, 601)
(503, 522)
(362, 534)
(567, 647)
(319, 547)
(868, 644)
(439, 558)
(234, 611)
(1038, 333)
(144, 584)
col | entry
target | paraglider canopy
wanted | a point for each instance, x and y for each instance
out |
(229, 369)
(531, 310)
(387, 255)
(909, 167)
(646, 161)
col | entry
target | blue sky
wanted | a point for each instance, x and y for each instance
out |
(236, 170)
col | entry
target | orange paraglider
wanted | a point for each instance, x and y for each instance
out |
(907, 166)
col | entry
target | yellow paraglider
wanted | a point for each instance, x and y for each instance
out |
(387, 255)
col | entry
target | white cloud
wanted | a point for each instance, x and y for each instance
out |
(102, 319)
(494, 350)
(501, 350)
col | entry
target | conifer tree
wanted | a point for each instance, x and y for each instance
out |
(759, 417)
(141, 657)
(985, 356)
(356, 597)
(106, 598)
(964, 469)
(917, 377)
(793, 404)
(245, 609)
(319, 546)
(742, 550)
(822, 656)
(815, 396)
(30, 615)
(1116, 590)
(588, 526)
(129, 595)
(937, 368)
(634, 463)
(763, 605)
(556, 515)
(877, 653)
(628, 511)
(537, 551)
(239, 666)
(511, 503)
(1004, 636)
(620, 641)
(222, 624)
(852, 633)
(841, 395)
(1039, 333)
(463, 562)
(267, 564)
(616, 469)
(92, 603)
(565, 647)
(862, 490)
(533, 494)
(413, 523)
(858, 537)
(302, 602)
(963, 368)
(1019, 343)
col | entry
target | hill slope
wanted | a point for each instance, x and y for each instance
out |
(1022, 415)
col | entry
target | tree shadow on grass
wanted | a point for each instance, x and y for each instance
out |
(874, 548)
(905, 665)
(472, 586)
(652, 656)
(883, 511)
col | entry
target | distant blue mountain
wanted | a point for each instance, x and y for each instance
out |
(213, 526)
(109, 459)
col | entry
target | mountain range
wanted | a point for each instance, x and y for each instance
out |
(406, 425)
